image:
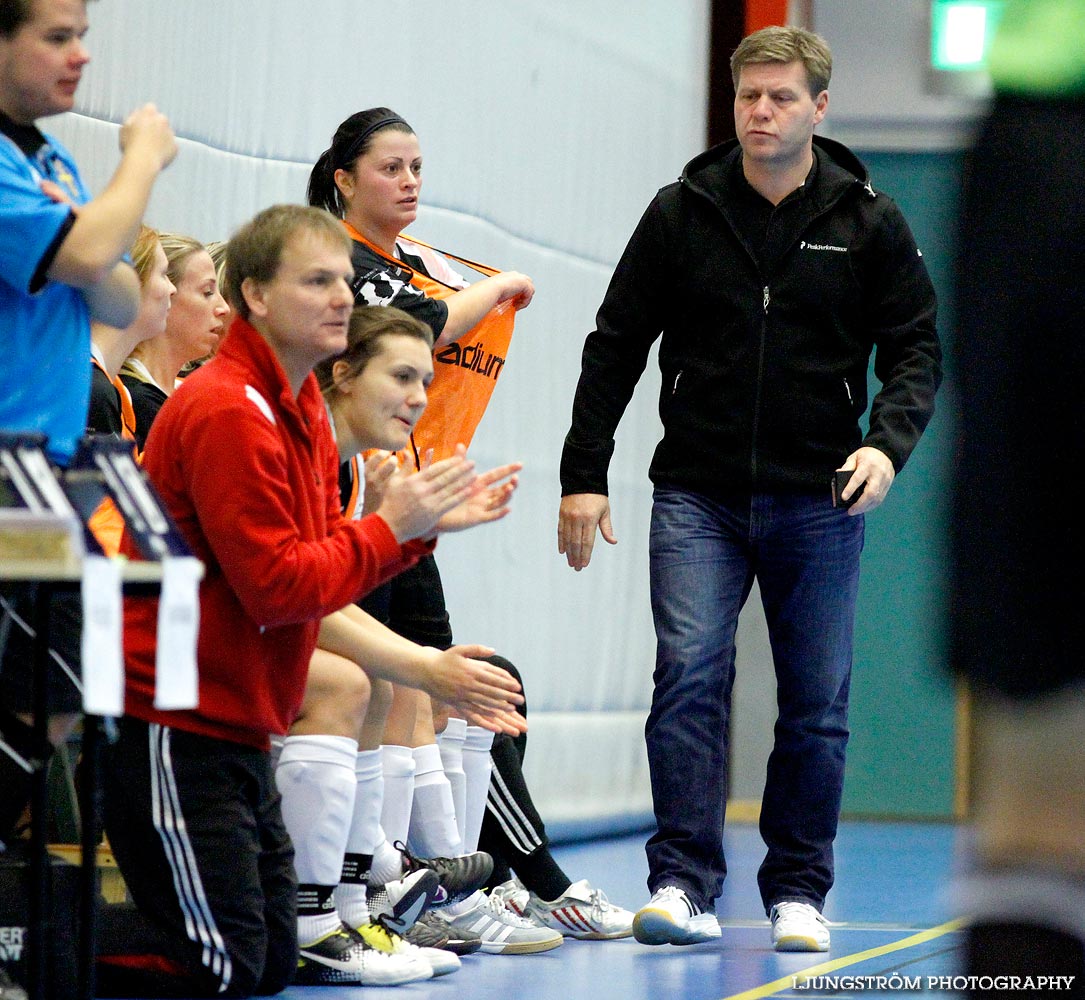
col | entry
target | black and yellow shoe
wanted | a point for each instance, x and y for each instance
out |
(344, 957)
(380, 937)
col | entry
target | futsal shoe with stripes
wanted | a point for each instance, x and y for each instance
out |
(798, 926)
(503, 931)
(431, 931)
(458, 877)
(378, 936)
(402, 901)
(580, 912)
(343, 958)
(671, 917)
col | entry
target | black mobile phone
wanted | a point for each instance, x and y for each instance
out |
(840, 479)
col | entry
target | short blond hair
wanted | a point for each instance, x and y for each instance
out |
(256, 249)
(786, 45)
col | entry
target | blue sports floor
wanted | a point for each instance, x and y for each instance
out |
(890, 911)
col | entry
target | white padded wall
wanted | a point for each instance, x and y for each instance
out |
(546, 127)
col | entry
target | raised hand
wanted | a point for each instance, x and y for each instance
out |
(378, 468)
(489, 502)
(147, 130)
(413, 503)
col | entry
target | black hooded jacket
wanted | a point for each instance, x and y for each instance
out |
(765, 343)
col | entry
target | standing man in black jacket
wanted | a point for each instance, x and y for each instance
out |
(785, 270)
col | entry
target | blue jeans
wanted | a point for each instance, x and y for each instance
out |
(705, 555)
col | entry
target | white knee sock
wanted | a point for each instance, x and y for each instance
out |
(365, 835)
(398, 765)
(450, 743)
(387, 863)
(315, 777)
(476, 766)
(434, 833)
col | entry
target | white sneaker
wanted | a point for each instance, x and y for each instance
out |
(381, 938)
(503, 932)
(798, 927)
(514, 895)
(343, 957)
(580, 912)
(672, 918)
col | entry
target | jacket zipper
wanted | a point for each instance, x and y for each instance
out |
(766, 297)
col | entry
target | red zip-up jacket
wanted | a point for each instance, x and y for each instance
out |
(250, 475)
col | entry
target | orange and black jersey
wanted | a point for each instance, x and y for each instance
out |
(379, 281)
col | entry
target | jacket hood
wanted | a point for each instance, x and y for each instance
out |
(835, 152)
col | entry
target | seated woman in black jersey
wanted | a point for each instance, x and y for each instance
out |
(194, 327)
(329, 769)
(111, 410)
(110, 405)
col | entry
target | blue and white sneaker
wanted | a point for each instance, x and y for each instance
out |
(402, 901)
(671, 917)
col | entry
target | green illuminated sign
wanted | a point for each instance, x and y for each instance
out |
(961, 32)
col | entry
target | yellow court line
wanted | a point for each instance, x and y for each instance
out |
(788, 982)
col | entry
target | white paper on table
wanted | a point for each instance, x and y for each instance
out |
(176, 682)
(102, 641)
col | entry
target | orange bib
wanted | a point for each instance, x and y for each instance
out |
(107, 523)
(465, 372)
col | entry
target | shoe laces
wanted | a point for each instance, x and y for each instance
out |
(597, 902)
(497, 906)
(381, 936)
(441, 867)
(513, 895)
(600, 905)
(800, 911)
(410, 862)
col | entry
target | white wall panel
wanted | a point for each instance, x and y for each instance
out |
(546, 128)
(880, 95)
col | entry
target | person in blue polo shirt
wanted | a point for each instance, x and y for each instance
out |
(60, 252)
(61, 265)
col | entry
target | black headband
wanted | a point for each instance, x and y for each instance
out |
(359, 141)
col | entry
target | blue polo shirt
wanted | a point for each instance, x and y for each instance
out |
(44, 325)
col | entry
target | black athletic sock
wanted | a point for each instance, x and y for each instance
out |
(511, 827)
(1012, 953)
(542, 874)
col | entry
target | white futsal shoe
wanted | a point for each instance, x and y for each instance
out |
(671, 917)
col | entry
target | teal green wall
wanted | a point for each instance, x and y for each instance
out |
(901, 755)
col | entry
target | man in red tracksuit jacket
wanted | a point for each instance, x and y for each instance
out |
(243, 459)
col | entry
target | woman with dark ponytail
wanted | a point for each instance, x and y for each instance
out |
(370, 177)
